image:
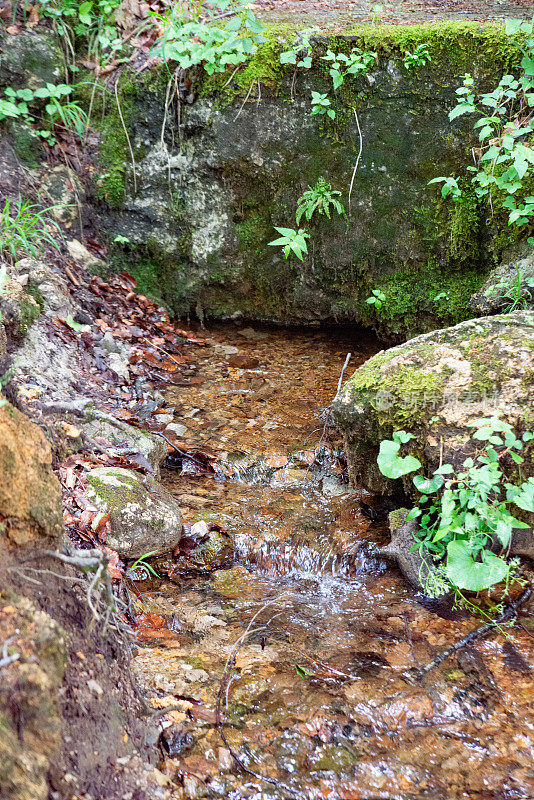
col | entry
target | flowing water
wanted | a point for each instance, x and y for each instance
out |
(293, 659)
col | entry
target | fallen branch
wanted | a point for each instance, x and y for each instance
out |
(510, 611)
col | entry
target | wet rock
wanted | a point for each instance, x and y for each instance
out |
(411, 563)
(499, 290)
(213, 551)
(434, 386)
(242, 361)
(333, 758)
(30, 495)
(144, 517)
(253, 335)
(152, 447)
(177, 428)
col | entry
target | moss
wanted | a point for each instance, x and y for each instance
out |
(28, 312)
(399, 395)
(464, 225)
(111, 492)
(420, 294)
(37, 295)
(27, 145)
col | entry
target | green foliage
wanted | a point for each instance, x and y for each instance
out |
(321, 104)
(358, 62)
(319, 198)
(417, 58)
(292, 241)
(300, 53)
(25, 229)
(514, 292)
(93, 21)
(142, 563)
(16, 105)
(390, 463)
(195, 40)
(505, 157)
(464, 515)
(376, 299)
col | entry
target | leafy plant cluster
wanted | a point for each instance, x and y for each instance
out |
(25, 228)
(192, 39)
(515, 294)
(465, 515)
(93, 21)
(16, 104)
(316, 199)
(505, 156)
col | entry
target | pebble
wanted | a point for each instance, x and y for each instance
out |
(251, 334)
(177, 428)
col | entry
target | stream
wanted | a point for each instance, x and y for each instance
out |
(297, 648)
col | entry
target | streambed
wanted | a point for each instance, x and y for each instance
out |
(298, 647)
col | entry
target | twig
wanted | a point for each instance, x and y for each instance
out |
(6, 660)
(508, 613)
(126, 134)
(345, 365)
(244, 101)
(359, 155)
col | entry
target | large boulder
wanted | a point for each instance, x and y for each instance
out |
(144, 517)
(30, 495)
(433, 387)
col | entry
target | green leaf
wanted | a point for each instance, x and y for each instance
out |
(428, 485)
(84, 13)
(391, 464)
(473, 576)
(72, 323)
(525, 499)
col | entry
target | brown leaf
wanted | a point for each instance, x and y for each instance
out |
(13, 30)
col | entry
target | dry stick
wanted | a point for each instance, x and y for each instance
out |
(345, 365)
(244, 101)
(508, 613)
(152, 344)
(6, 660)
(126, 134)
(359, 155)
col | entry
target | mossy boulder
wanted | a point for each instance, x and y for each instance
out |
(144, 517)
(18, 309)
(434, 386)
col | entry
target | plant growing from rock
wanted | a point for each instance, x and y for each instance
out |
(319, 198)
(505, 157)
(464, 515)
(417, 58)
(321, 104)
(292, 241)
(376, 299)
(201, 38)
(515, 294)
(16, 105)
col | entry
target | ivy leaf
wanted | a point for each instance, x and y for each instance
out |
(428, 485)
(391, 464)
(525, 499)
(466, 573)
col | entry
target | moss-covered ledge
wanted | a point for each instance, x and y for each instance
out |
(433, 387)
(244, 146)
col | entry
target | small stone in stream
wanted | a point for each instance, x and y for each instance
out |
(224, 757)
(252, 335)
(225, 349)
(206, 622)
(243, 361)
(176, 740)
(411, 563)
(332, 487)
(118, 363)
(195, 675)
(82, 318)
(95, 687)
(163, 419)
(292, 476)
(177, 428)
(192, 501)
